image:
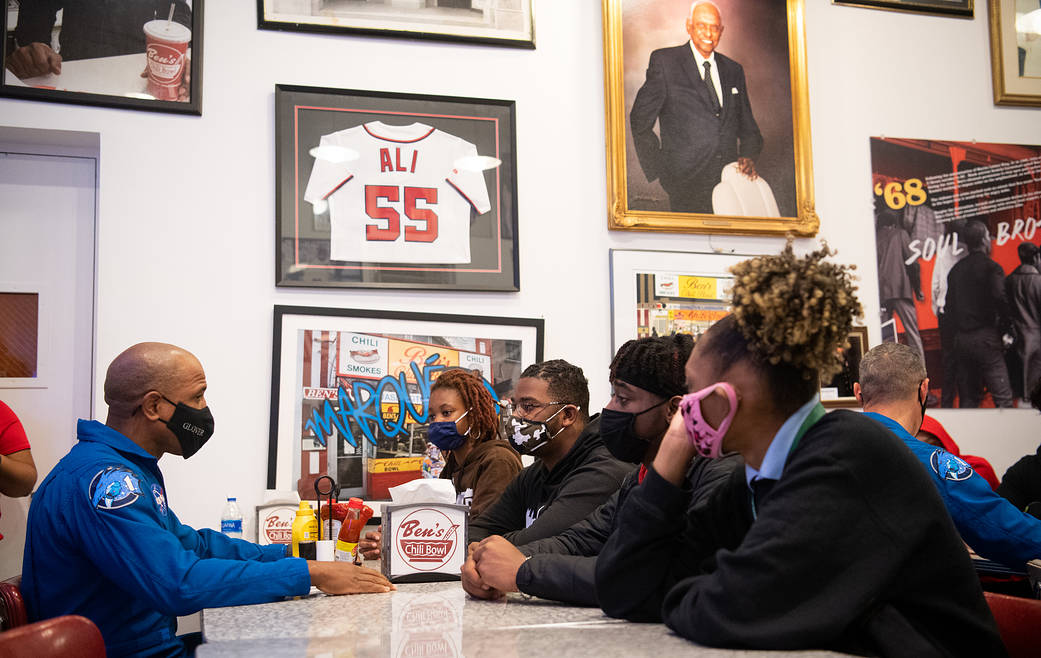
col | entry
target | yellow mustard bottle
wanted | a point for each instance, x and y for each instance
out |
(305, 532)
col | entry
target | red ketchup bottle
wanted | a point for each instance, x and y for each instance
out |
(358, 514)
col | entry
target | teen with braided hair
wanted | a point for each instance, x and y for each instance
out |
(831, 537)
(647, 382)
(465, 428)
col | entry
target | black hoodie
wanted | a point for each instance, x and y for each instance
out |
(540, 503)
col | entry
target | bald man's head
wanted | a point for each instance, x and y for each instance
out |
(141, 368)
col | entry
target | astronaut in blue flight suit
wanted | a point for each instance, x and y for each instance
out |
(102, 541)
(892, 389)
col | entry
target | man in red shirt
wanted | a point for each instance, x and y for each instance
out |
(17, 469)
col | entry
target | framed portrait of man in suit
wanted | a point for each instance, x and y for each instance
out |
(708, 122)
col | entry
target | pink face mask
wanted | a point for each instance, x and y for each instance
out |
(707, 440)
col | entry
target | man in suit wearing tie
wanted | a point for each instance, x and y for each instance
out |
(699, 100)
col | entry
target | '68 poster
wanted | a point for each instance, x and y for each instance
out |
(959, 275)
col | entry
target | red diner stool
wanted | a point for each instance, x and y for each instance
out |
(1019, 622)
(69, 636)
(12, 605)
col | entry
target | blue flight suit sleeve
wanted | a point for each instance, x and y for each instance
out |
(176, 569)
(207, 543)
(988, 523)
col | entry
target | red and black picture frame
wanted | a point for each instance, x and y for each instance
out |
(391, 190)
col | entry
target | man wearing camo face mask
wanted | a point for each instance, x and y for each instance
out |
(573, 472)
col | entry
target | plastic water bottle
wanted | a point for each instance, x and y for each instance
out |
(231, 519)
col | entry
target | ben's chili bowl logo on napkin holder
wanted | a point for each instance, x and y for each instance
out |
(428, 540)
(275, 524)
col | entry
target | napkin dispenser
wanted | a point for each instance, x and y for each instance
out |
(424, 542)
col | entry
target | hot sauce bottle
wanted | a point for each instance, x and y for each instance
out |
(358, 514)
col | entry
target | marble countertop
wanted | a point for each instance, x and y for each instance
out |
(436, 619)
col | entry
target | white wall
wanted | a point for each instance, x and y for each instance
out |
(188, 258)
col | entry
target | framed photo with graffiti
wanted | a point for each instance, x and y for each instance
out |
(349, 389)
(387, 190)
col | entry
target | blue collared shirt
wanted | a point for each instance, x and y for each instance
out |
(102, 542)
(991, 525)
(780, 446)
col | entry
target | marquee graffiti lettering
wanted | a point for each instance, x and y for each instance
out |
(363, 405)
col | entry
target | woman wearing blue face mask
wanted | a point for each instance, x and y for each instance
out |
(464, 426)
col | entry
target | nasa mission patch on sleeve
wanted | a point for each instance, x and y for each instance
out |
(949, 467)
(114, 487)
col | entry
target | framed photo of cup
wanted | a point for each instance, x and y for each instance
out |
(349, 388)
(387, 190)
(492, 22)
(838, 391)
(717, 149)
(143, 55)
(941, 7)
(1015, 52)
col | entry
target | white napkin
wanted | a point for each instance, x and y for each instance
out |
(423, 491)
(275, 496)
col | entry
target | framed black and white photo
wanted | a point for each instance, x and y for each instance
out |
(493, 22)
(349, 388)
(389, 190)
(143, 55)
(961, 8)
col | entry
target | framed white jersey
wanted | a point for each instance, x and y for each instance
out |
(402, 197)
(388, 190)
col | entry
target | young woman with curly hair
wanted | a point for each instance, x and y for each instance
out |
(465, 427)
(831, 537)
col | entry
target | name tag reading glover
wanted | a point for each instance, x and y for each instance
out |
(425, 542)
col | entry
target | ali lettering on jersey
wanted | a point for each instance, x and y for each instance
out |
(387, 165)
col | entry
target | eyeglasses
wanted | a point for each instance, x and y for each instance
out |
(529, 407)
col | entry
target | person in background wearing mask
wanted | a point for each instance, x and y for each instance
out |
(892, 390)
(647, 383)
(830, 537)
(573, 473)
(102, 542)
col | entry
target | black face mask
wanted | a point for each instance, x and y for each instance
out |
(618, 435)
(923, 400)
(192, 427)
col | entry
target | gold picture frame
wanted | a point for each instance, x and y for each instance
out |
(790, 157)
(839, 391)
(1014, 82)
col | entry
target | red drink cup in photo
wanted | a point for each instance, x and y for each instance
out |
(166, 43)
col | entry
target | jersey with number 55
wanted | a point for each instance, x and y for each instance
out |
(403, 199)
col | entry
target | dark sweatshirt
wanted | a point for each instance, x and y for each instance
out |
(488, 468)
(852, 550)
(540, 503)
(563, 567)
